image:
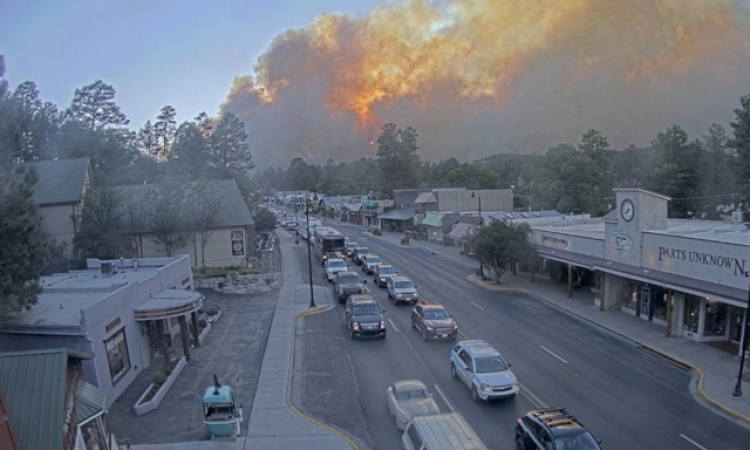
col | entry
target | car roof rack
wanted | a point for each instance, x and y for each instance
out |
(553, 417)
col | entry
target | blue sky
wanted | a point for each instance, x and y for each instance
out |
(182, 53)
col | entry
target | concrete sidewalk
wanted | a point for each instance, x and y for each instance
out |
(274, 423)
(716, 370)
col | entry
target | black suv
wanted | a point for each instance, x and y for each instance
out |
(553, 429)
(347, 283)
(364, 318)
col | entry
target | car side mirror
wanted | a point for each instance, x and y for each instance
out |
(509, 364)
(451, 314)
(415, 286)
(599, 441)
(382, 310)
(364, 281)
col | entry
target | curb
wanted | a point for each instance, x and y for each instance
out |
(494, 288)
(698, 371)
(304, 416)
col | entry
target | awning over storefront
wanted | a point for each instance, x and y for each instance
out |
(398, 214)
(370, 204)
(169, 303)
(462, 231)
(89, 403)
(730, 295)
(433, 220)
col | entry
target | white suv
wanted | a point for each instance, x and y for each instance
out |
(334, 266)
(483, 370)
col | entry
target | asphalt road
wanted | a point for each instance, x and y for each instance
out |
(625, 396)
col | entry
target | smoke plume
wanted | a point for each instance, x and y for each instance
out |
(478, 77)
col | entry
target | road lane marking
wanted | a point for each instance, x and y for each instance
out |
(433, 278)
(393, 325)
(536, 401)
(462, 336)
(552, 353)
(693, 442)
(476, 305)
(402, 259)
(445, 399)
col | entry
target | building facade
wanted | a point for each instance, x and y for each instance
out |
(689, 276)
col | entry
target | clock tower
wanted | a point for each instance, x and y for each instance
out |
(636, 210)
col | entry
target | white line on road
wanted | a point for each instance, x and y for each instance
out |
(476, 305)
(551, 353)
(445, 399)
(531, 397)
(402, 259)
(433, 278)
(693, 442)
(462, 336)
(393, 325)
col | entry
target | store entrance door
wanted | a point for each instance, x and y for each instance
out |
(735, 324)
(645, 303)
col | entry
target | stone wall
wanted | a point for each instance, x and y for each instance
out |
(234, 283)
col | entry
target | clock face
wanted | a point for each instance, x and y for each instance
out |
(627, 209)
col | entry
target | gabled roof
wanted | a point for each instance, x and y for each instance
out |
(60, 181)
(34, 383)
(426, 197)
(233, 211)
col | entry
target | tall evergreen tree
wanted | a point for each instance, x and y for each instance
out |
(717, 176)
(741, 143)
(398, 159)
(94, 107)
(594, 146)
(563, 180)
(23, 244)
(230, 152)
(165, 128)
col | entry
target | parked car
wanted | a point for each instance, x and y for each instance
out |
(334, 266)
(347, 283)
(553, 428)
(381, 273)
(408, 399)
(350, 246)
(358, 253)
(433, 320)
(401, 289)
(369, 262)
(364, 318)
(483, 370)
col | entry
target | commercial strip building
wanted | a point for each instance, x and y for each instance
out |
(689, 276)
(124, 313)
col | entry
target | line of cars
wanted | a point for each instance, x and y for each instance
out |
(476, 363)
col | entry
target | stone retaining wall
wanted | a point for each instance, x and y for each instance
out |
(234, 283)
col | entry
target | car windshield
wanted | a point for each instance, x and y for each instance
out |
(412, 394)
(374, 260)
(404, 285)
(351, 279)
(490, 364)
(336, 264)
(386, 270)
(366, 310)
(436, 314)
(352, 245)
(581, 441)
(362, 251)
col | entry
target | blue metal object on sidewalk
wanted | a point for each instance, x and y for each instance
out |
(222, 410)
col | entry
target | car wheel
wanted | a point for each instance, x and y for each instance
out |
(453, 371)
(474, 394)
(519, 443)
(413, 323)
(424, 333)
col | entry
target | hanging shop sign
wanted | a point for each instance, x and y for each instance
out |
(238, 243)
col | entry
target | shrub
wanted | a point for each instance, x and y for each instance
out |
(167, 371)
(202, 323)
(159, 378)
(212, 311)
(377, 232)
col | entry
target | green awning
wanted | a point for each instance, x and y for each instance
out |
(89, 402)
(433, 220)
(370, 204)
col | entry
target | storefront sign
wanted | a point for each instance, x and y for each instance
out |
(736, 265)
(238, 243)
(621, 240)
(552, 241)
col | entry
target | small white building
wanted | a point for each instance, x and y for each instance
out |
(122, 312)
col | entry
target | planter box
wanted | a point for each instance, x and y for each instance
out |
(140, 408)
(204, 333)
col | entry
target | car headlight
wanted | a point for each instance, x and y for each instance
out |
(399, 295)
(455, 327)
(430, 329)
(382, 324)
(404, 420)
(486, 388)
(355, 325)
(515, 385)
(382, 280)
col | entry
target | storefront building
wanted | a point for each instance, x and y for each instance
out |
(689, 276)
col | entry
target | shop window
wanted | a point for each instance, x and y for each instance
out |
(692, 313)
(659, 297)
(628, 294)
(117, 355)
(716, 318)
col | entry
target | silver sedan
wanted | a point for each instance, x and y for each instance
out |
(408, 399)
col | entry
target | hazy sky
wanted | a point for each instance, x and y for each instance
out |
(182, 53)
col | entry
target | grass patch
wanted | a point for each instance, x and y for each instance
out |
(221, 272)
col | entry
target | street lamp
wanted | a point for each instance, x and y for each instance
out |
(308, 207)
(737, 392)
(481, 221)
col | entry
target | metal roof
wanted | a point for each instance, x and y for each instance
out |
(398, 214)
(34, 383)
(462, 231)
(233, 211)
(89, 402)
(60, 182)
(426, 197)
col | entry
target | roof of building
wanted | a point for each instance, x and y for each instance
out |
(61, 181)
(462, 231)
(64, 296)
(426, 197)
(398, 214)
(233, 211)
(35, 383)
